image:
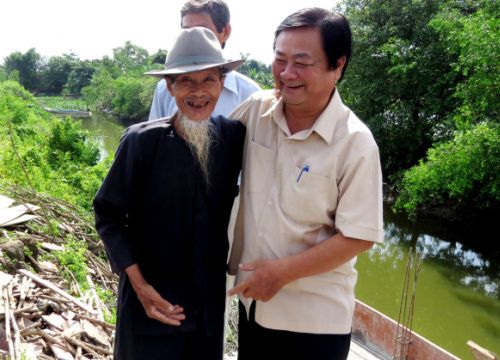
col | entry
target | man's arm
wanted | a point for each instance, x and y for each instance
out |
(269, 276)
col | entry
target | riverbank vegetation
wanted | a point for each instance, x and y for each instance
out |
(425, 77)
(44, 153)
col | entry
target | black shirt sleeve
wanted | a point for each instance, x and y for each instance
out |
(114, 199)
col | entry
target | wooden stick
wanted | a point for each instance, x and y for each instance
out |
(7, 323)
(24, 287)
(31, 327)
(99, 273)
(57, 290)
(89, 348)
(97, 300)
(17, 337)
(35, 264)
(95, 321)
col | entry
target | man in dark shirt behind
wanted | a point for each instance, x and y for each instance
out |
(163, 211)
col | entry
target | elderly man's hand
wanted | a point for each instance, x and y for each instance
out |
(265, 280)
(155, 306)
(158, 308)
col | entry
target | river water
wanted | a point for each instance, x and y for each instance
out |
(457, 294)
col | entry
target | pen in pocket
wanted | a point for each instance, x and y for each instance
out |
(305, 168)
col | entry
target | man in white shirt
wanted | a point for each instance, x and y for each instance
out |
(213, 15)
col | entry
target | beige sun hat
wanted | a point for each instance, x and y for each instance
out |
(195, 49)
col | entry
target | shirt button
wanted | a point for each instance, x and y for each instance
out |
(269, 202)
(260, 234)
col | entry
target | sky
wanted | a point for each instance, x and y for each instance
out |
(93, 28)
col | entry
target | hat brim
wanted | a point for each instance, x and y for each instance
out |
(177, 70)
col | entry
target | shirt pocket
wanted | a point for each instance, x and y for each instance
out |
(309, 198)
(260, 167)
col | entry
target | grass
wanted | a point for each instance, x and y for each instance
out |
(61, 102)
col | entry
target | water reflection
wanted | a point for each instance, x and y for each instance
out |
(106, 131)
(466, 266)
(458, 290)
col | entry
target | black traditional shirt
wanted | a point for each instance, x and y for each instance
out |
(156, 209)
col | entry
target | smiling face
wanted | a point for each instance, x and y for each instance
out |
(196, 93)
(301, 71)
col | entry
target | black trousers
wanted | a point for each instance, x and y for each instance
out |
(175, 346)
(256, 342)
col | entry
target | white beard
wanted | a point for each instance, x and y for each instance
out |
(197, 134)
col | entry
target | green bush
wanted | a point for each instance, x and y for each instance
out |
(128, 96)
(461, 174)
(133, 96)
(52, 155)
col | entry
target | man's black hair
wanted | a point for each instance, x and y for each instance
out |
(334, 29)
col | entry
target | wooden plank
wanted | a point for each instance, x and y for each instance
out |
(480, 353)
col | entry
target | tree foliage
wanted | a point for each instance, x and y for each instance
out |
(27, 66)
(399, 79)
(425, 77)
(55, 72)
(79, 77)
(130, 58)
(257, 71)
(461, 174)
(471, 33)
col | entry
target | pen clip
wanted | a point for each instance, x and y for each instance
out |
(305, 168)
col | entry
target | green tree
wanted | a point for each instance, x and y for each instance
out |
(131, 57)
(257, 71)
(132, 97)
(461, 175)
(100, 91)
(27, 65)
(471, 33)
(79, 77)
(159, 57)
(3, 74)
(55, 73)
(399, 80)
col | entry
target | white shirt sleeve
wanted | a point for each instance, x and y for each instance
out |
(159, 105)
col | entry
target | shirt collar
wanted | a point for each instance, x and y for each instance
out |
(230, 83)
(324, 125)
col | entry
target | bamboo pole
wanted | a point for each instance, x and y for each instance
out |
(57, 290)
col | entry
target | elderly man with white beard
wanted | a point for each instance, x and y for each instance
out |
(163, 211)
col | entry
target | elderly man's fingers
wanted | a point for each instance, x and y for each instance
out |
(169, 320)
(178, 317)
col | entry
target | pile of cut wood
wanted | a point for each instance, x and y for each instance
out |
(44, 315)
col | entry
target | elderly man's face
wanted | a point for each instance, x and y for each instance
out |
(301, 70)
(196, 93)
